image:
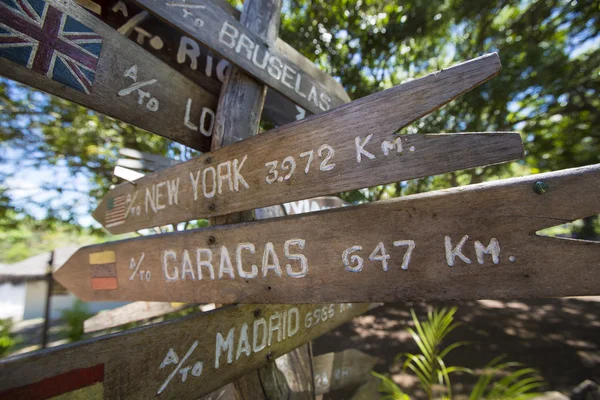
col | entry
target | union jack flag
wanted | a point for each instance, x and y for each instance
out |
(40, 37)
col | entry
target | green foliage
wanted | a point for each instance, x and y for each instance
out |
(74, 318)
(389, 388)
(429, 365)
(497, 381)
(30, 237)
(6, 339)
(512, 384)
(548, 88)
(38, 131)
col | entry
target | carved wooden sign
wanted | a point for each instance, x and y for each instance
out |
(352, 147)
(185, 54)
(471, 242)
(59, 48)
(334, 371)
(278, 67)
(184, 358)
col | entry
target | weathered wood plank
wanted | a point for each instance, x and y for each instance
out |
(151, 161)
(288, 377)
(296, 78)
(343, 149)
(242, 97)
(240, 105)
(469, 242)
(133, 312)
(100, 69)
(127, 174)
(334, 371)
(186, 55)
(137, 164)
(183, 359)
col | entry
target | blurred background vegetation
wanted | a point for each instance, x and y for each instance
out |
(548, 91)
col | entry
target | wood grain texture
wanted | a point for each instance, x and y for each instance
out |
(242, 97)
(240, 105)
(144, 161)
(334, 371)
(150, 95)
(331, 142)
(188, 56)
(133, 312)
(472, 242)
(296, 78)
(287, 377)
(131, 361)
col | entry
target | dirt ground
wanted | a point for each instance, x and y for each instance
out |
(558, 337)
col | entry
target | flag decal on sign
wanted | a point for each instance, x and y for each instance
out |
(116, 211)
(104, 270)
(82, 383)
(42, 38)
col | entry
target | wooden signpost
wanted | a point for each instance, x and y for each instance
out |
(286, 71)
(426, 246)
(240, 104)
(184, 358)
(352, 147)
(334, 371)
(132, 312)
(470, 242)
(59, 48)
(188, 56)
(143, 161)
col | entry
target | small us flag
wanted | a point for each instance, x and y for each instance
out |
(40, 37)
(115, 211)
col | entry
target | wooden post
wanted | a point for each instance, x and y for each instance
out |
(50, 282)
(238, 118)
(242, 97)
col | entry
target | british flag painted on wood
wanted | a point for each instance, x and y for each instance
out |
(40, 37)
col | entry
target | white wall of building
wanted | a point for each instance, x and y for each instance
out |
(35, 302)
(12, 300)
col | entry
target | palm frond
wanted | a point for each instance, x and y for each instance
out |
(389, 388)
(497, 381)
(514, 384)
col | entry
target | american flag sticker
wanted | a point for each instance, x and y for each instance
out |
(104, 270)
(116, 211)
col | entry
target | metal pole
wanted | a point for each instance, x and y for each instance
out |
(50, 284)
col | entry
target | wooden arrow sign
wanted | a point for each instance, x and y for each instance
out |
(187, 55)
(352, 147)
(132, 312)
(334, 371)
(473, 242)
(183, 359)
(58, 47)
(286, 71)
